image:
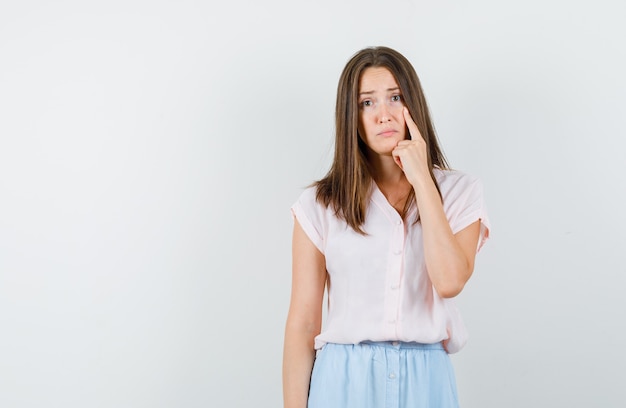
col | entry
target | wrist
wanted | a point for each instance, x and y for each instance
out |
(423, 183)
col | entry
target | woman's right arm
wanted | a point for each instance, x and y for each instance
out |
(304, 321)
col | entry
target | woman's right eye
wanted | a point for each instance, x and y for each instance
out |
(366, 103)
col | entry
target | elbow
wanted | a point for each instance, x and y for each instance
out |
(452, 284)
(303, 327)
(307, 331)
(451, 280)
(450, 289)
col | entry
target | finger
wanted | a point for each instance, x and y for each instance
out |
(396, 157)
(410, 123)
(398, 162)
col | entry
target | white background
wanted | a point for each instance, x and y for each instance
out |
(150, 151)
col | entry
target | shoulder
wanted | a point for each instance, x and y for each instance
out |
(312, 217)
(463, 201)
(308, 196)
(308, 201)
(454, 183)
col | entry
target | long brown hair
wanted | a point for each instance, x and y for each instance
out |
(347, 186)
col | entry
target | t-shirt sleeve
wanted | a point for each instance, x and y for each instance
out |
(465, 205)
(310, 215)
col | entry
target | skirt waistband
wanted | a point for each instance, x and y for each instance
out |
(404, 345)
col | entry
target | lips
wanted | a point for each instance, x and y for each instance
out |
(387, 132)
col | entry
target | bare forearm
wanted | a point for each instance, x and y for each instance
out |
(298, 358)
(447, 264)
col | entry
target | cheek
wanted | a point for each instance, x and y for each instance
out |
(363, 124)
(397, 112)
(360, 127)
(401, 118)
(401, 121)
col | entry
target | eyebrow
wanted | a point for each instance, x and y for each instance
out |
(371, 92)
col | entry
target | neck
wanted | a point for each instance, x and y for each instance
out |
(390, 180)
(384, 170)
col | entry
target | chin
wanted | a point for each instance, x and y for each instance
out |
(383, 147)
(389, 145)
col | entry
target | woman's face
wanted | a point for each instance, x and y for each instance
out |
(381, 123)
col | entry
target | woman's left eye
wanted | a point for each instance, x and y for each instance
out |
(396, 98)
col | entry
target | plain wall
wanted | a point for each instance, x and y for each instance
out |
(150, 152)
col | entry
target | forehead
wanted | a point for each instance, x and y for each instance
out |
(375, 79)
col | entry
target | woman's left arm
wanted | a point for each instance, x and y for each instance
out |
(449, 257)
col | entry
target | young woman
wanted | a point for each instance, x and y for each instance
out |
(392, 233)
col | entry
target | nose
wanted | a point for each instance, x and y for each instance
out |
(383, 113)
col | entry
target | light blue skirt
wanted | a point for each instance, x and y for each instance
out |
(383, 375)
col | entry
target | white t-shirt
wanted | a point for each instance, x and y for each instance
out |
(379, 289)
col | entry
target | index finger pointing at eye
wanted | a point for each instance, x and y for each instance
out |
(413, 131)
